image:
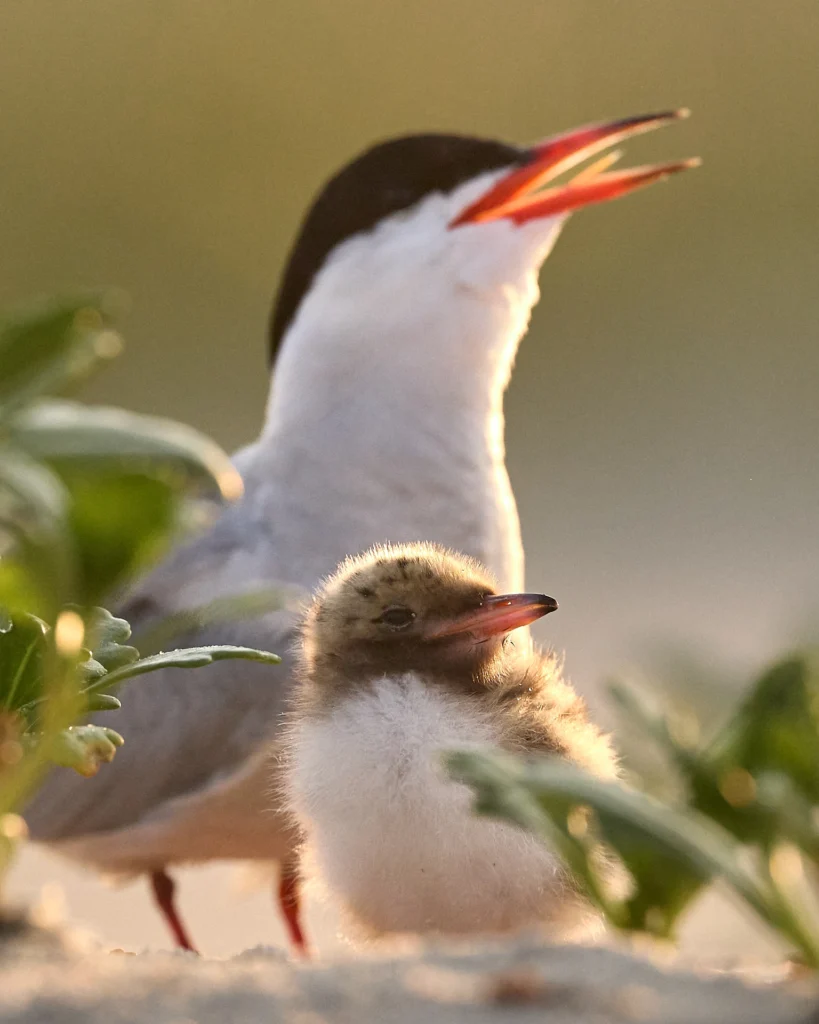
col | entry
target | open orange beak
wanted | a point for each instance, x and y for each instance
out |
(519, 196)
(496, 616)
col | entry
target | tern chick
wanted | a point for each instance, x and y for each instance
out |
(406, 652)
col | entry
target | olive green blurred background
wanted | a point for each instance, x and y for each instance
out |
(663, 419)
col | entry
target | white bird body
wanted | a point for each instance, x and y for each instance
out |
(394, 842)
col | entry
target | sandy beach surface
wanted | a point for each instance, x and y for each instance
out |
(90, 965)
(47, 978)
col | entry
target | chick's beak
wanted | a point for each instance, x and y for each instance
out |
(497, 615)
(518, 196)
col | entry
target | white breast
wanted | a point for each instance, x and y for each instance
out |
(392, 840)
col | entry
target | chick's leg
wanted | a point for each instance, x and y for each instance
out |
(290, 904)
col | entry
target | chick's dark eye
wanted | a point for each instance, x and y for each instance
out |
(397, 617)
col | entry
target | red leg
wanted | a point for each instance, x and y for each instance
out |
(163, 888)
(290, 904)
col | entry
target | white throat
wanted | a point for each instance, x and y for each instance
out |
(386, 406)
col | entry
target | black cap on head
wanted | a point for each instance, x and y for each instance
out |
(391, 176)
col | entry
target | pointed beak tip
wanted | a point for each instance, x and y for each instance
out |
(662, 172)
(520, 196)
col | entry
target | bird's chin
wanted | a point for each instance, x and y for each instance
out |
(470, 656)
(464, 659)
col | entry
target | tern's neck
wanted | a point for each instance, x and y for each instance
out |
(390, 427)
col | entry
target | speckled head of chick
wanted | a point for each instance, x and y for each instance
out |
(413, 608)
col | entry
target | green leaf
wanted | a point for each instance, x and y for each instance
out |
(669, 853)
(90, 669)
(774, 731)
(84, 748)
(36, 555)
(120, 523)
(105, 635)
(777, 727)
(191, 657)
(22, 650)
(50, 345)
(18, 588)
(103, 702)
(73, 436)
(124, 475)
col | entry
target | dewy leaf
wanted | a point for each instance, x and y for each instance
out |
(51, 344)
(84, 748)
(191, 657)
(72, 435)
(90, 670)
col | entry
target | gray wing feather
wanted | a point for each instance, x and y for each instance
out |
(183, 728)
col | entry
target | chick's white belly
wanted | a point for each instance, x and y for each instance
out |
(392, 839)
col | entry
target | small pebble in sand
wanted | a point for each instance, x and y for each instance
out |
(526, 987)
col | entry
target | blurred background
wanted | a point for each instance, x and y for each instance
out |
(662, 422)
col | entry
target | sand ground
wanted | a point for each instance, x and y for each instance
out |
(725, 972)
(43, 982)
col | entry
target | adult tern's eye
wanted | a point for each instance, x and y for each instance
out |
(397, 617)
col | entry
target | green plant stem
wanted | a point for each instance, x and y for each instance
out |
(21, 668)
(60, 710)
(786, 918)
